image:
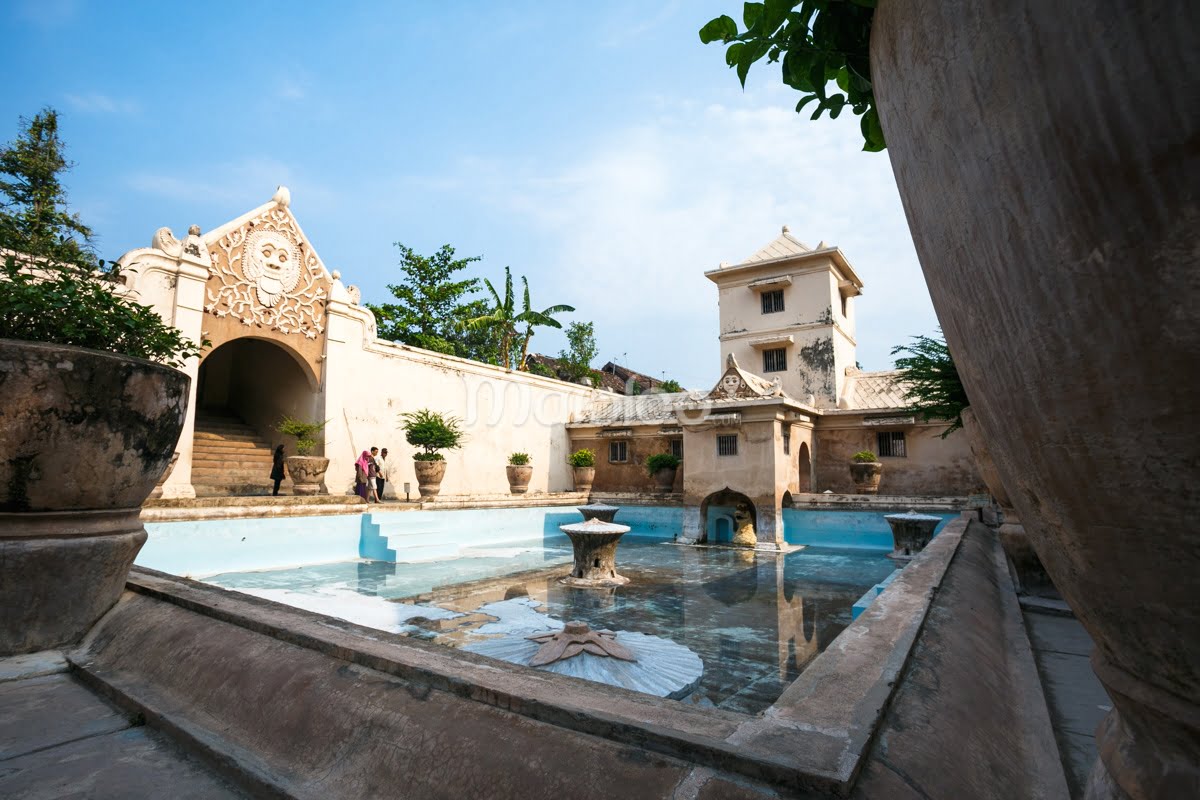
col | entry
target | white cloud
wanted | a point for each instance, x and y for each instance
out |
(98, 103)
(625, 229)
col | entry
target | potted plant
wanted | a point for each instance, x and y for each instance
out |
(306, 470)
(583, 467)
(662, 467)
(431, 432)
(1033, 202)
(519, 473)
(866, 471)
(91, 407)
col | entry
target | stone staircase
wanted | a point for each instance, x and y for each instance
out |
(230, 458)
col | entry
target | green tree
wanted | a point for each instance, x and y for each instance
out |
(432, 306)
(669, 386)
(934, 390)
(52, 288)
(817, 41)
(576, 360)
(544, 318)
(500, 320)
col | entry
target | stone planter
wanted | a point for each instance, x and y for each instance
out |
(429, 476)
(518, 478)
(306, 473)
(84, 436)
(584, 477)
(866, 476)
(1057, 214)
(157, 491)
(664, 480)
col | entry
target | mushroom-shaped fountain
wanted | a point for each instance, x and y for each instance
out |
(595, 544)
(600, 511)
(630, 660)
(910, 533)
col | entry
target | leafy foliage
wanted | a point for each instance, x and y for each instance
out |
(519, 459)
(432, 431)
(816, 41)
(662, 461)
(53, 288)
(576, 360)
(538, 368)
(305, 433)
(582, 458)
(503, 320)
(864, 457)
(432, 307)
(670, 386)
(934, 390)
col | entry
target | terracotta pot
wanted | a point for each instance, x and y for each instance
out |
(306, 473)
(518, 478)
(584, 477)
(983, 458)
(866, 476)
(84, 436)
(429, 476)
(1048, 167)
(664, 479)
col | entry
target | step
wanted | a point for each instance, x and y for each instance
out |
(207, 436)
(232, 457)
(217, 448)
(230, 476)
(235, 490)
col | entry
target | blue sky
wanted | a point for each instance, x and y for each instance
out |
(597, 148)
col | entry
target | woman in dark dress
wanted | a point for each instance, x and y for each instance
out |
(277, 469)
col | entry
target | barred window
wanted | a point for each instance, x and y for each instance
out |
(618, 452)
(787, 442)
(727, 444)
(891, 444)
(775, 360)
(772, 302)
(677, 448)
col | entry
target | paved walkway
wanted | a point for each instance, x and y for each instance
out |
(58, 740)
(1076, 699)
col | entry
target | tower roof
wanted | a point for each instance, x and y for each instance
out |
(782, 246)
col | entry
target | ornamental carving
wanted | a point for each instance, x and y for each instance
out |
(265, 275)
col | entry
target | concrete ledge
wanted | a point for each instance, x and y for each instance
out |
(870, 502)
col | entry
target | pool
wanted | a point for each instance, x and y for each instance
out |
(455, 577)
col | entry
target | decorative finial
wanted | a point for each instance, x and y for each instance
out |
(786, 228)
(723, 265)
(193, 230)
(337, 274)
(282, 197)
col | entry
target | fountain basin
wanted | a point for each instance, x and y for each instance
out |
(595, 545)
(600, 511)
(910, 533)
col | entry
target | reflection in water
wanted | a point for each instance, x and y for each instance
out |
(755, 619)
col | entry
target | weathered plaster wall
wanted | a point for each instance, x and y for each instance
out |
(933, 466)
(630, 476)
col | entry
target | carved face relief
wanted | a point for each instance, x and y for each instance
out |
(269, 259)
(731, 384)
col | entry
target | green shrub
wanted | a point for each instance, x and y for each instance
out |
(582, 458)
(519, 459)
(661, 461)
(432, 432)
(864, 457)
(305, 433)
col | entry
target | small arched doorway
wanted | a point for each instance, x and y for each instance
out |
(244, 388)
(719, 512)
(804, 470)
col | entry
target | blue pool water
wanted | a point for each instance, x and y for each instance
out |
(755, 619)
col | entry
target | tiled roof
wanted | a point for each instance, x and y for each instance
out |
(642, 409)
(874, 390)
(782, 246)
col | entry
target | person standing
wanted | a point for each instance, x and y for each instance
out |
(362, 468)
(277, 469)
(372, 476)
(381, 470)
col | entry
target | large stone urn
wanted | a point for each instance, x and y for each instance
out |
(84, 436)
(866, 476)
(1048, 164)
(306, 473)
(519, 476)
(584, 477)
(664, 480)
(429, 476)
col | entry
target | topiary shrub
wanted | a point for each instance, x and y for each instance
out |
(432, 432)
(519, 459)
(864, 457)
(661, 461)
(582, 458)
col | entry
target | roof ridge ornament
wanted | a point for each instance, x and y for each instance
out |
(282, 197)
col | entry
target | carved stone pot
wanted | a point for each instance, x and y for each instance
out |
(584, 477)
(866, 476)
(664, 480)
(157, 491)
(1048, 167)
(84, 435)
(306, 473)
(429, 476)
(518, 478)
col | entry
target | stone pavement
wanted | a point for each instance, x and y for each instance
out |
(59, 740)
(1076, 699)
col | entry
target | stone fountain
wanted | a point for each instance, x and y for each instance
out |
(599, 511)
(595, 544)
(910, 533)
